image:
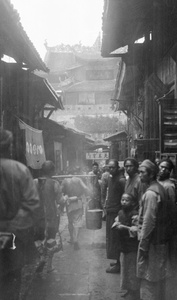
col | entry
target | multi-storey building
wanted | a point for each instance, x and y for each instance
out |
(85, 80)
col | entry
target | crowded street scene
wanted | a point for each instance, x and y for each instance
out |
(88, 150)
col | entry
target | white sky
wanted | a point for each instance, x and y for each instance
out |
(60, 21)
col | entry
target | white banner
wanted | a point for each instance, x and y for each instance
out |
(97, 155)
(35, 154)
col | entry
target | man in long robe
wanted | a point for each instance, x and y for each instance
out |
(133, 185)
(153, 264)
(113, 190)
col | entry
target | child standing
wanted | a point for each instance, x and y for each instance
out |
(129, 245)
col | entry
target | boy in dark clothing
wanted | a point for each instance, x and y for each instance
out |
(126, 225)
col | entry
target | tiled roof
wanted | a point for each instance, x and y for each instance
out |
(14, 41)
(55, 99)
(46, 122)
(30, 86)
(116, 136)
(60, 61)
(124, 22)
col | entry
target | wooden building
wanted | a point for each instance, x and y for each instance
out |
(24, 96)
(118, 145)
(86, 82)
(85, 78)
(64, 146)
(144, 34)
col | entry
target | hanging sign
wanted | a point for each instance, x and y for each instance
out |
(35, 154)
(97, 155)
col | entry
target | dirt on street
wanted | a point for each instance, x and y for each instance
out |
(78, 274)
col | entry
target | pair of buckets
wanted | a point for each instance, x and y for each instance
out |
(94, 219)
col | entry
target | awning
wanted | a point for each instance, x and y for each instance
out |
(124, 22)
(48, 94)
(57, 129)
(127, 83)
(35, 153)
(30, 87)
(96, 145)
(118, 136)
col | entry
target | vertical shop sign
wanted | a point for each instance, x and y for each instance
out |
(35, 154)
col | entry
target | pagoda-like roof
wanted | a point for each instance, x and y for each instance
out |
(60, 61)
(124, 22)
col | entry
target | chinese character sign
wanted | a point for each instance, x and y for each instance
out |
(35, 154)
(97, 155)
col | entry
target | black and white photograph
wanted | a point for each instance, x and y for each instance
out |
(88, 150)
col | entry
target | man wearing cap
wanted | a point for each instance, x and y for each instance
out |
(113, 191)
(153, 264)
(133, 185)
(18, 203)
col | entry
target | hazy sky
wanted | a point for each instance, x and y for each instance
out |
(60, 21)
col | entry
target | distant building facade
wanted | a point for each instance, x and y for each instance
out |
(85, 80)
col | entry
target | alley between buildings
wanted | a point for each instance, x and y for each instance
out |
(78, 275)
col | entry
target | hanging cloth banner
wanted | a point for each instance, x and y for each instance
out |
(35, 154)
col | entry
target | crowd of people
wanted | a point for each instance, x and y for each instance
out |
(141, 218)
(139, 207)
(30, 215)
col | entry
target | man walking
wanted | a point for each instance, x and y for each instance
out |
(18, 203)
(50, 198)
(113, 190)
(73, 188)
(153, 264)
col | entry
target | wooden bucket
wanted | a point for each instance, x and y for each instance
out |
(94, 219)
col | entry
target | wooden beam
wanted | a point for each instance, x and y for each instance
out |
(49, 114)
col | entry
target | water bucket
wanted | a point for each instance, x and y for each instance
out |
(94, 219)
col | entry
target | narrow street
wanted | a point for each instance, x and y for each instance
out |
(78, 274)
(81, 275)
